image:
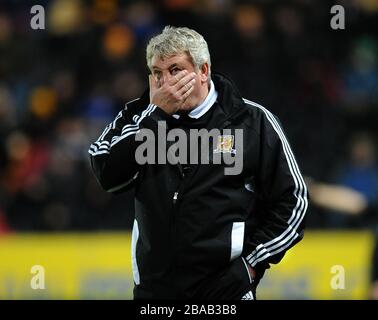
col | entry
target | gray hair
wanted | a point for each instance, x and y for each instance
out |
(174, 41)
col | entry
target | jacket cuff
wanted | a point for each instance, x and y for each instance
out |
(157, 114)
(259, 269)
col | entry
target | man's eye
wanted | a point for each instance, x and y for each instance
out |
(175, 71)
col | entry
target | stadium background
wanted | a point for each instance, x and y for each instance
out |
(60, 86)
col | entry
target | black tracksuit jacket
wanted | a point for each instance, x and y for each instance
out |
(195, 230)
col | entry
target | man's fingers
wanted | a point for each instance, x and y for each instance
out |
(187, 86)
(184, 106)
(187, 93)
(184, 81)
(152, 82)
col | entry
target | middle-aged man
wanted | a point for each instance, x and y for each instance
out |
(200, 232)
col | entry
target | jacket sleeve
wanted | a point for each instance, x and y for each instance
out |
(282, 195)
(112, 155)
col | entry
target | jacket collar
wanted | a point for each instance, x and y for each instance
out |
(229, 100)
(229, 96)
(205, 106)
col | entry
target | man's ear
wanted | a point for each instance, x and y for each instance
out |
(204, 74)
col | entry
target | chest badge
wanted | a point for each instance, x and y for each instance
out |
(225, 144)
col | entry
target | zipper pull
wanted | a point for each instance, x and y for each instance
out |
(175, 196)
(181, 170)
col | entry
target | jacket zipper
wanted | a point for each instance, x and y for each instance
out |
(182, 176)
(175, 199)
(175, 196)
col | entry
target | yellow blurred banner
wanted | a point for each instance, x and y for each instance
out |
(325, 265)
(77, 266)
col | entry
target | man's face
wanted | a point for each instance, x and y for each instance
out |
(163, 69)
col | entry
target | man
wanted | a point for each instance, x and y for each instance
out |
(200, 233)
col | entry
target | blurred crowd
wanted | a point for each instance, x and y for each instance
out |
(59, 87)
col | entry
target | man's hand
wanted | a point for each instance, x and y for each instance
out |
(171, 96)
(252, 272)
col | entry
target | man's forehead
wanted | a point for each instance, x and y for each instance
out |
(162, 62)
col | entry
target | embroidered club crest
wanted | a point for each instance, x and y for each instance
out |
(225, 144)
